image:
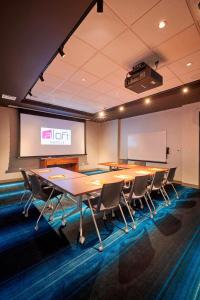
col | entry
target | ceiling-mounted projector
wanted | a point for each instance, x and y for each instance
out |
(142, 78)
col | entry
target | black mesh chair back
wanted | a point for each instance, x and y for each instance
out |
(37, 188)
(139, 186)
(170, 175)
(158, 179)
(25, 176)
(110, 195)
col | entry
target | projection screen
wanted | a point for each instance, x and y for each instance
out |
(46, 136)
(147, 146)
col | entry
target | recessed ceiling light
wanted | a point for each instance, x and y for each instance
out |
(162, 24)
(101, 114)
(121, 108)
(83, 79)
(185, 90)
(147, 100)
(189, 64)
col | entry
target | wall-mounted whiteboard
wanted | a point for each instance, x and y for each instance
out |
(147, 146)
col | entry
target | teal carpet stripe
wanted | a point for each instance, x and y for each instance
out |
(61, 267)
(184, 280)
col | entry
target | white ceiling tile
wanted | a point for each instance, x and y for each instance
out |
(71, 88)
(77, 52)
(83, 78)
(166, 73)
(102, 86)
(126, 49)
(39, 90)
(60, 94)
(175, 13)
(183, 44)
(123, 94)
(170, 84)
(100, 29)
(108, 101)
(52, 80)
(87, 93)
(117, 78)
(130, 10)
(191, 76)
(180, 67)
(60, 68)
(100, 66)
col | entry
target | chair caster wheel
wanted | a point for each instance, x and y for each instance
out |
(166, 204)
(82, 240)
(151, 216)
(155, 212)
(100, 248)
(63, 223)
(126, 230)
(169, 202)
(51, 219)
(177, 198)
(104, 218)
(141, 206)
(23, 213)
(36, 228)
(134, 227)
(26, 215)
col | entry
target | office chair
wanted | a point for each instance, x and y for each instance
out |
(137, 192)
(45, 193)
(27, 186)
(157, 185)
(109, 199)
(169, 181)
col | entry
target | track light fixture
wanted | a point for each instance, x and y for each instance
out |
(30, 94)
(41, 77)
(99, 6)
(61, 52)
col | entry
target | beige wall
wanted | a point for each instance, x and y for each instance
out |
(182, 125)
(108, 141)
(190, 143)
(169, 120)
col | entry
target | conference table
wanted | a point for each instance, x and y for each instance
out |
(77, 186)
(116, 166)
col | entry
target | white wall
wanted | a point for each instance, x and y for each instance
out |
(108, 141)
(169, 120)
(182, 125)
(190, 143)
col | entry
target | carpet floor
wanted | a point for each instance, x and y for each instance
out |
(159, 260)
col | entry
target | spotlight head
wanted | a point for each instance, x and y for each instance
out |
(30, 94)
(99, 6)
(62, 53)
(41, 77)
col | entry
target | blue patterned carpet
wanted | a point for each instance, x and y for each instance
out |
(159, 260)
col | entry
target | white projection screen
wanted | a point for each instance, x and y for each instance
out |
(46, 136)
(147, 146)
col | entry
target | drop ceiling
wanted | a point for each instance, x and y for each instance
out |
(105, 46)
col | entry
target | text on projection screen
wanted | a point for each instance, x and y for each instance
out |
(148, 146)
(53, 136)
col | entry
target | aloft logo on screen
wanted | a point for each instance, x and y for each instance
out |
(54, 136)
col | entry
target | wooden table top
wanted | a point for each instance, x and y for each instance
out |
(78, 184)
(55, 174)
(132, 166)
